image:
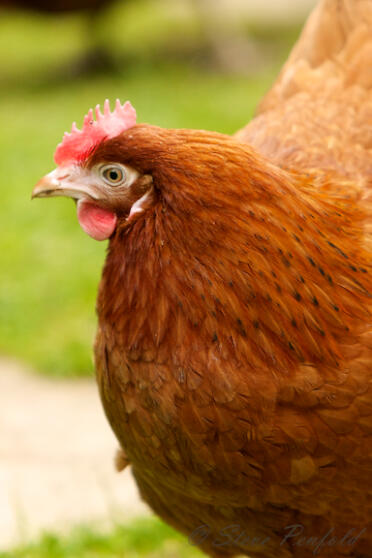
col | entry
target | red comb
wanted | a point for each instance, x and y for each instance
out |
(78, 144)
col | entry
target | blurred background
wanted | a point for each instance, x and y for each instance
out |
(182, 63)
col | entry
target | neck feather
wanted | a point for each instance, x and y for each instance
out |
(238, 257)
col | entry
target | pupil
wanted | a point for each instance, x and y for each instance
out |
(114, 175)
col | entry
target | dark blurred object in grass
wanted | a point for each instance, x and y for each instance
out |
(56, 5)
(97, 57)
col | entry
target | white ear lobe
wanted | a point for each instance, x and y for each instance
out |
(141, 204)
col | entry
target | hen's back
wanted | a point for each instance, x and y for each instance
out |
(318, 114)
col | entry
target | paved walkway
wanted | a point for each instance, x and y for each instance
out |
(56, 458)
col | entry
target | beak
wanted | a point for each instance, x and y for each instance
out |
(60, 182)
(47, 186)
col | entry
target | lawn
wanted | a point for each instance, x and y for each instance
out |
(50, 267)
(143, 537)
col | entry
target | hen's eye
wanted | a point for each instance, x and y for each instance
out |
(114, 175)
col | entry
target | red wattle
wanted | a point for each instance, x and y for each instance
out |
(99, 223)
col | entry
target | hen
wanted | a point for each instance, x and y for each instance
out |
(234, 345)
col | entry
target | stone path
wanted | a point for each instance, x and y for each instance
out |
(56, 458)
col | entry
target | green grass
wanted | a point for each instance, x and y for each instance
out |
(50, 268)
(144, 537)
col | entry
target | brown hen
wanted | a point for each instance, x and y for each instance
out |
(234, 348)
